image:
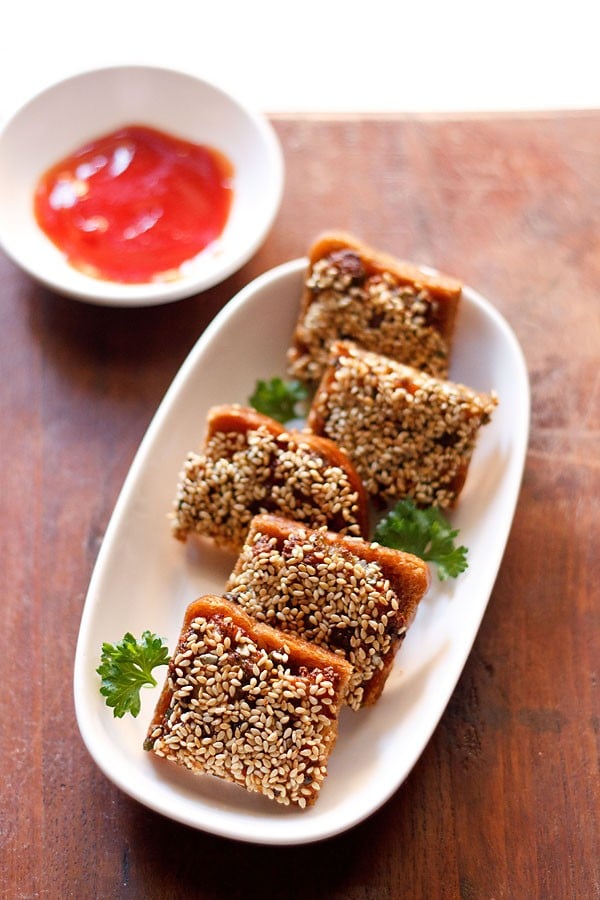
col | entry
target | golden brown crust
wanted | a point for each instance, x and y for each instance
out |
(443, 286)
(219, 501)
(417, 330)
(233, 417)
(236, 686)
(346, 594)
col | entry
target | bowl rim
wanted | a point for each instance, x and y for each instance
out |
(76, 285)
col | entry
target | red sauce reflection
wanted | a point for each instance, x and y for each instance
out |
(133, 205)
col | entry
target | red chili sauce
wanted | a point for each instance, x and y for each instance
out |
(133, 205)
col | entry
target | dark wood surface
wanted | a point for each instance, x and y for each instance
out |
(505, 800)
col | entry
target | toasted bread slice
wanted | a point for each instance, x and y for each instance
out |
(250, 464)
(409, 435)
(354, 292)
(345, 594)
(249, 704)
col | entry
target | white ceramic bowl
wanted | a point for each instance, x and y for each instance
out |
(63, 117)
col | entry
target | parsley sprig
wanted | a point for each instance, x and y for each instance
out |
(426, 533)
(126, 667)
(279, 399)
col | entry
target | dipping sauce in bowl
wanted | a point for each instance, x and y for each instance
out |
(133, 205)
(201, 124)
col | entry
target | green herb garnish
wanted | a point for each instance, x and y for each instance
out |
(126, 667)
(279, 399)
(427, 534)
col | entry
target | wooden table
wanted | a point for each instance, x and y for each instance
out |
(505, 800)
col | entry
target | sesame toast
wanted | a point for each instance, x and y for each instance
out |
(410, 435)
(249, 704)
(250, 464)
(355, 292)
(349, 596)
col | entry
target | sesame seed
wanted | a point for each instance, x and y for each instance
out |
(257, 746)
(415, 441)
(375, 311)
(239, 475)
(360, 607)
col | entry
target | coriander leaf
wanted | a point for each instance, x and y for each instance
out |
(126, 667)
(278, 399)
(426, 533)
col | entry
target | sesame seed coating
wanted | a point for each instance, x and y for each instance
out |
(407, 433)
(374, 310)
(240, 474)
(247, 705)
(355, 598)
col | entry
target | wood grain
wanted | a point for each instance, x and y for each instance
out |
(505, 800)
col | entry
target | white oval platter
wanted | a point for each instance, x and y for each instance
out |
(144, 579)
